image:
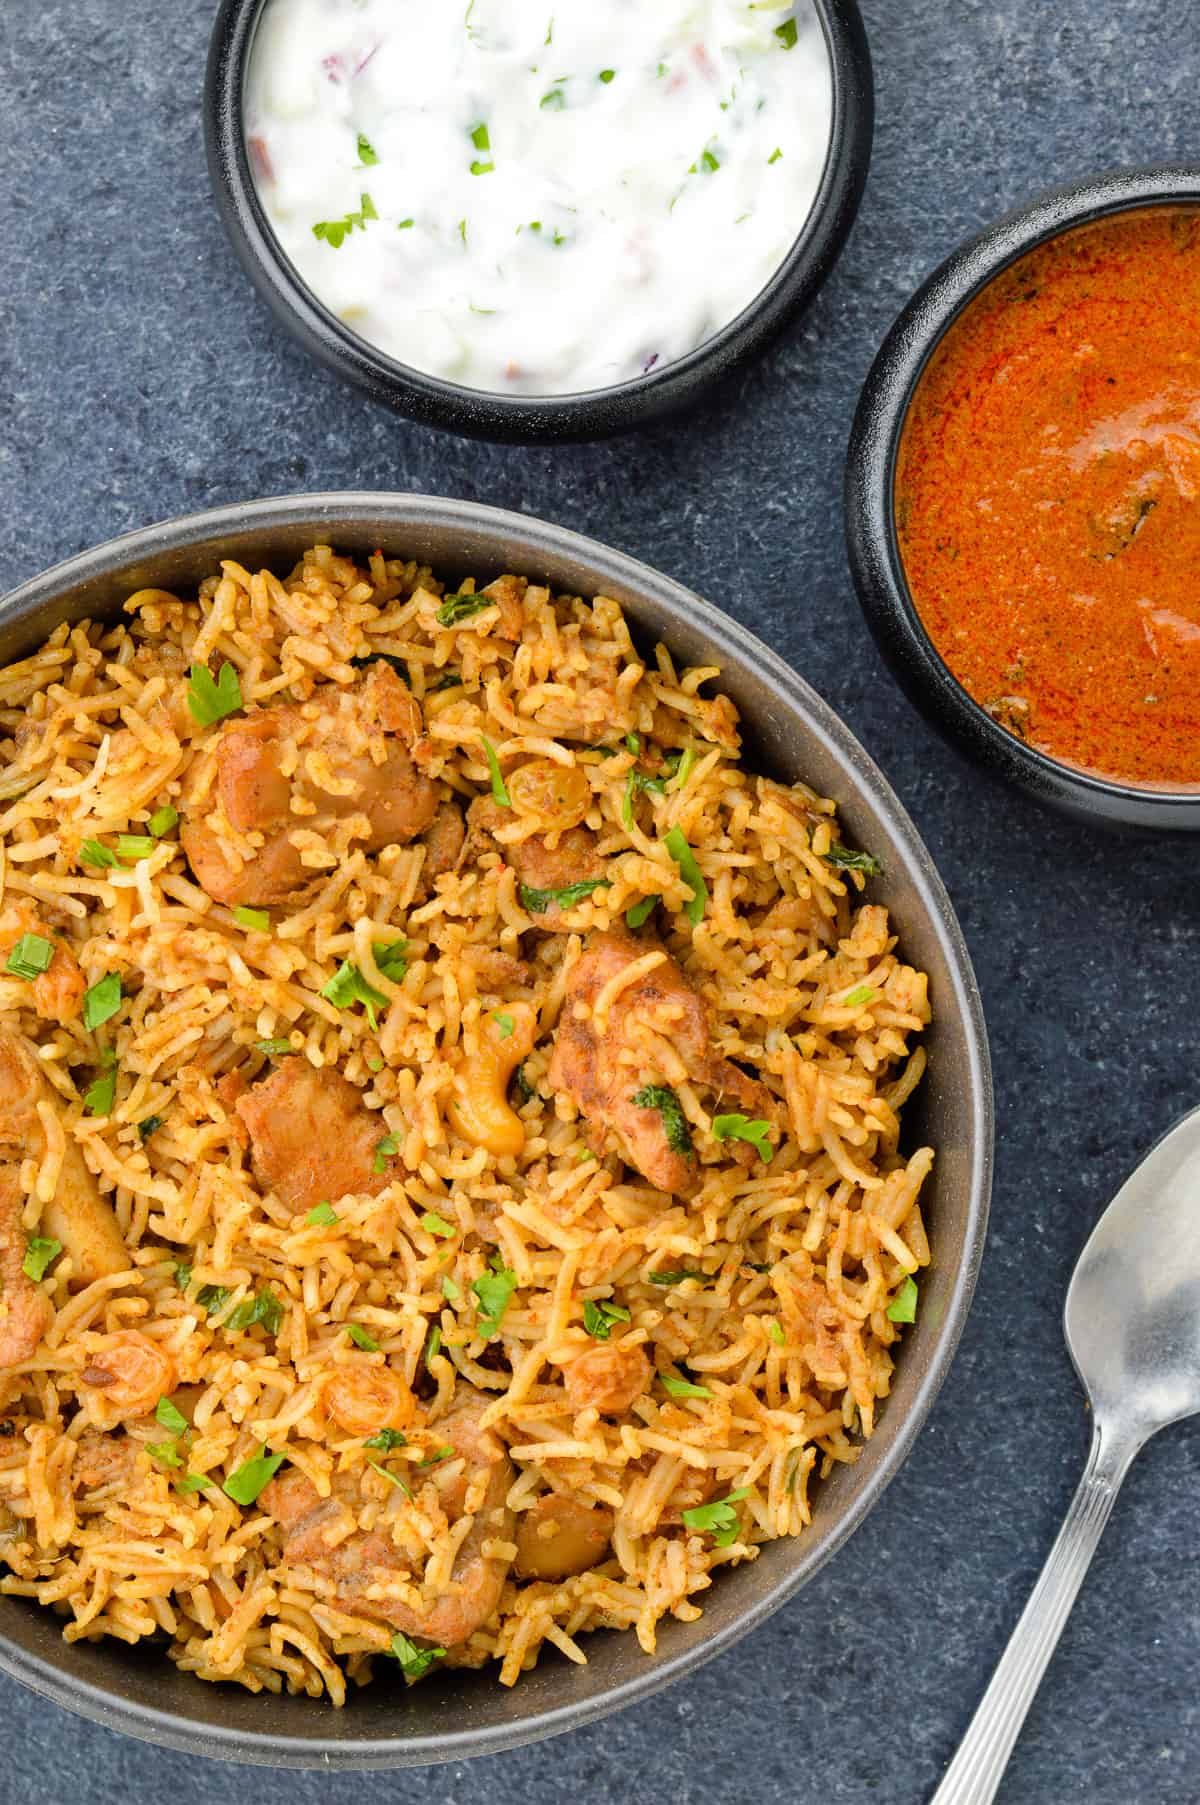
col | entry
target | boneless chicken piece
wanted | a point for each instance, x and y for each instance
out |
(76, 1215)
(25, 1310)
(57, 992)
(312, 1138)
(572, 858)
(351, 751)
(444, 843)
(358, 1562)
(604, 1063)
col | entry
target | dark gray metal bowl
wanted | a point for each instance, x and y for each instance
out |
(789, 732)
(871, 536)
(536, 419)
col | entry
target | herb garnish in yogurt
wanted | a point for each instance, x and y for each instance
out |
(560, 197)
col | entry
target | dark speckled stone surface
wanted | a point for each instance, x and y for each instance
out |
(140, 378)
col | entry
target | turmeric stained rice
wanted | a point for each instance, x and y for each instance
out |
(450, 1187)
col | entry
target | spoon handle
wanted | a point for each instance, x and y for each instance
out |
(977, 1769)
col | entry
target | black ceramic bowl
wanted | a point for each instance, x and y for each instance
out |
(870, 517)
(789, 731)
(591, 414)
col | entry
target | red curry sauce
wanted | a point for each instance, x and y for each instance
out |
(1048, 498)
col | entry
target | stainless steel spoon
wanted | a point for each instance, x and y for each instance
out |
(1132, 1323)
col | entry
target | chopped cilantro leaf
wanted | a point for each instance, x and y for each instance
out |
(384, 1151)
(599, 1315)
(494, 1290)
(171, 1417)
(265, 1308)
(536, 902)
(737, 1127)
(211, 701)
(845, 860)
(247, 1481)
(322, 1215)
(662, 1098)
(461, 607)
(414, 1661)
(433, 1224)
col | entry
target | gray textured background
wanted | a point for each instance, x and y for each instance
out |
(140, 378)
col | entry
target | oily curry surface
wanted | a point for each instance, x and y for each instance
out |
(1048, 498)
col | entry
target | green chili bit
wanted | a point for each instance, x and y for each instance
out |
(641, 912)
(132, 847)
(30, 957)
(362, 1338)
(689, 871)
(40, 1254)
(903, 1307)
(102, 1001)
(499, 790)
(94, 852)
(683, 1388)
(163, 820)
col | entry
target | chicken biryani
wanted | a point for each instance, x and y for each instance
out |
(451, 1195)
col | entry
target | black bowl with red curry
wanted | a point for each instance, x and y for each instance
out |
(1023, 498)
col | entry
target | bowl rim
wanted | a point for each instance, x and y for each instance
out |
(872, 541)
(531, 539)
(587, 414)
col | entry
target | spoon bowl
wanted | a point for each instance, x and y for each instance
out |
(1132, 1316)
(1132, 1322)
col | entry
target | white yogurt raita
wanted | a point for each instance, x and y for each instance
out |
(537, 196)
